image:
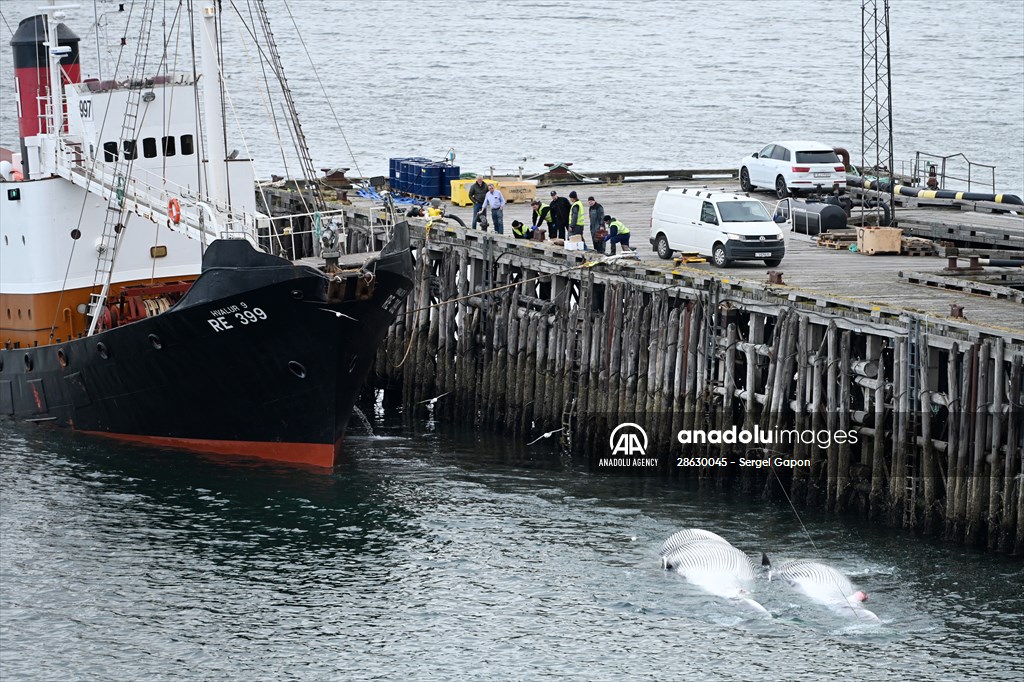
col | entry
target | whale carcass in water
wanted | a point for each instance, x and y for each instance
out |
(685, 536)
(824, 585)
(716, 567)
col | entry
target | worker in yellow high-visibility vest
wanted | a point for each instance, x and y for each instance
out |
(577, 215)
(617, 234)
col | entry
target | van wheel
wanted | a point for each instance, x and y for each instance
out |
(718, 256)
(772, 262)
(745, 180)
(781, 191)
(661, 246)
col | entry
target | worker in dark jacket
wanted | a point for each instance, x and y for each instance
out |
(559, 215)
(596, 223)
(577, 215)
(477, 194)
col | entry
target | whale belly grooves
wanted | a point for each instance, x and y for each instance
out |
(687, 535)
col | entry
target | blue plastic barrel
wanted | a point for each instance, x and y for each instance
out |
(408, 172)
(394, 171)
(449, 173)
(430, 180)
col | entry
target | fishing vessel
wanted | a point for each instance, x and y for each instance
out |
(143, 296)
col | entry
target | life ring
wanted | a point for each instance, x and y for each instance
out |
(174, 211)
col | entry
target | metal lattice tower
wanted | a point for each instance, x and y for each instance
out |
(876, 98)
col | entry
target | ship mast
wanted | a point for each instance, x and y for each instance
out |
(213, 106)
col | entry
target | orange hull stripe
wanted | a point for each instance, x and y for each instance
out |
(315, 454)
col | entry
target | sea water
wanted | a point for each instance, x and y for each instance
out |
(437, 554)
(603, 84)
(434, 554)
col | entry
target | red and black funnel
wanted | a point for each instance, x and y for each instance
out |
(31, 70)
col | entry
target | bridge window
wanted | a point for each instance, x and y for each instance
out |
(186, 145)
(169, 145)
(110, 152)
(130, 153)
(149, 147)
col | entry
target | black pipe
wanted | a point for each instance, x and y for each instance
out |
(1002, 262)
(903, 190)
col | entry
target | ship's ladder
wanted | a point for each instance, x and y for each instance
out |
(575, 358)
(913, 423)
(116, 214)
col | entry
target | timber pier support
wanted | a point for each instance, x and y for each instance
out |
(524, 338)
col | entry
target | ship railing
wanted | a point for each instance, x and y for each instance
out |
(199, 219)
(298, 235)
(954, 171)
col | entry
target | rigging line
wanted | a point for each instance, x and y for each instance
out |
(4, 19)
(60, 299)
(327, 99)
(839, 589)
(295, 143)
(267, 97)
(85, 194)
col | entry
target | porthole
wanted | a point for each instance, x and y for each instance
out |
(29, 363)
(19, 313)
(102, 349)
(155, 341)
(76, 234)
(62, 357)
(297, 369)
(30, 313)
(297, 294)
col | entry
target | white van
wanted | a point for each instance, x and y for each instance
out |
(724, 226)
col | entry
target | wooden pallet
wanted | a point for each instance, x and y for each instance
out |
(916, 246)
(684, 258)
(838, 241)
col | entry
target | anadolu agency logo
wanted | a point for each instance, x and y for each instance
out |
(628, 448)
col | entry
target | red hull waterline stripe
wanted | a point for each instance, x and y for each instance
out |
(315, 454)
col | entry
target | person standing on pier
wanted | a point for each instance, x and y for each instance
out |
(477, 194)
(541, 215)
(576, 215)
(618, 234)
(596, 223)
(559, 215)
(495, 201)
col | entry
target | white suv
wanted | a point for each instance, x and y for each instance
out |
(793, 166)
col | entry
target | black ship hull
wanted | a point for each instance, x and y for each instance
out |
(261, 357)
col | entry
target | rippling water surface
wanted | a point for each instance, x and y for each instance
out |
(443, 556)
(436, 556)
(607, 84)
